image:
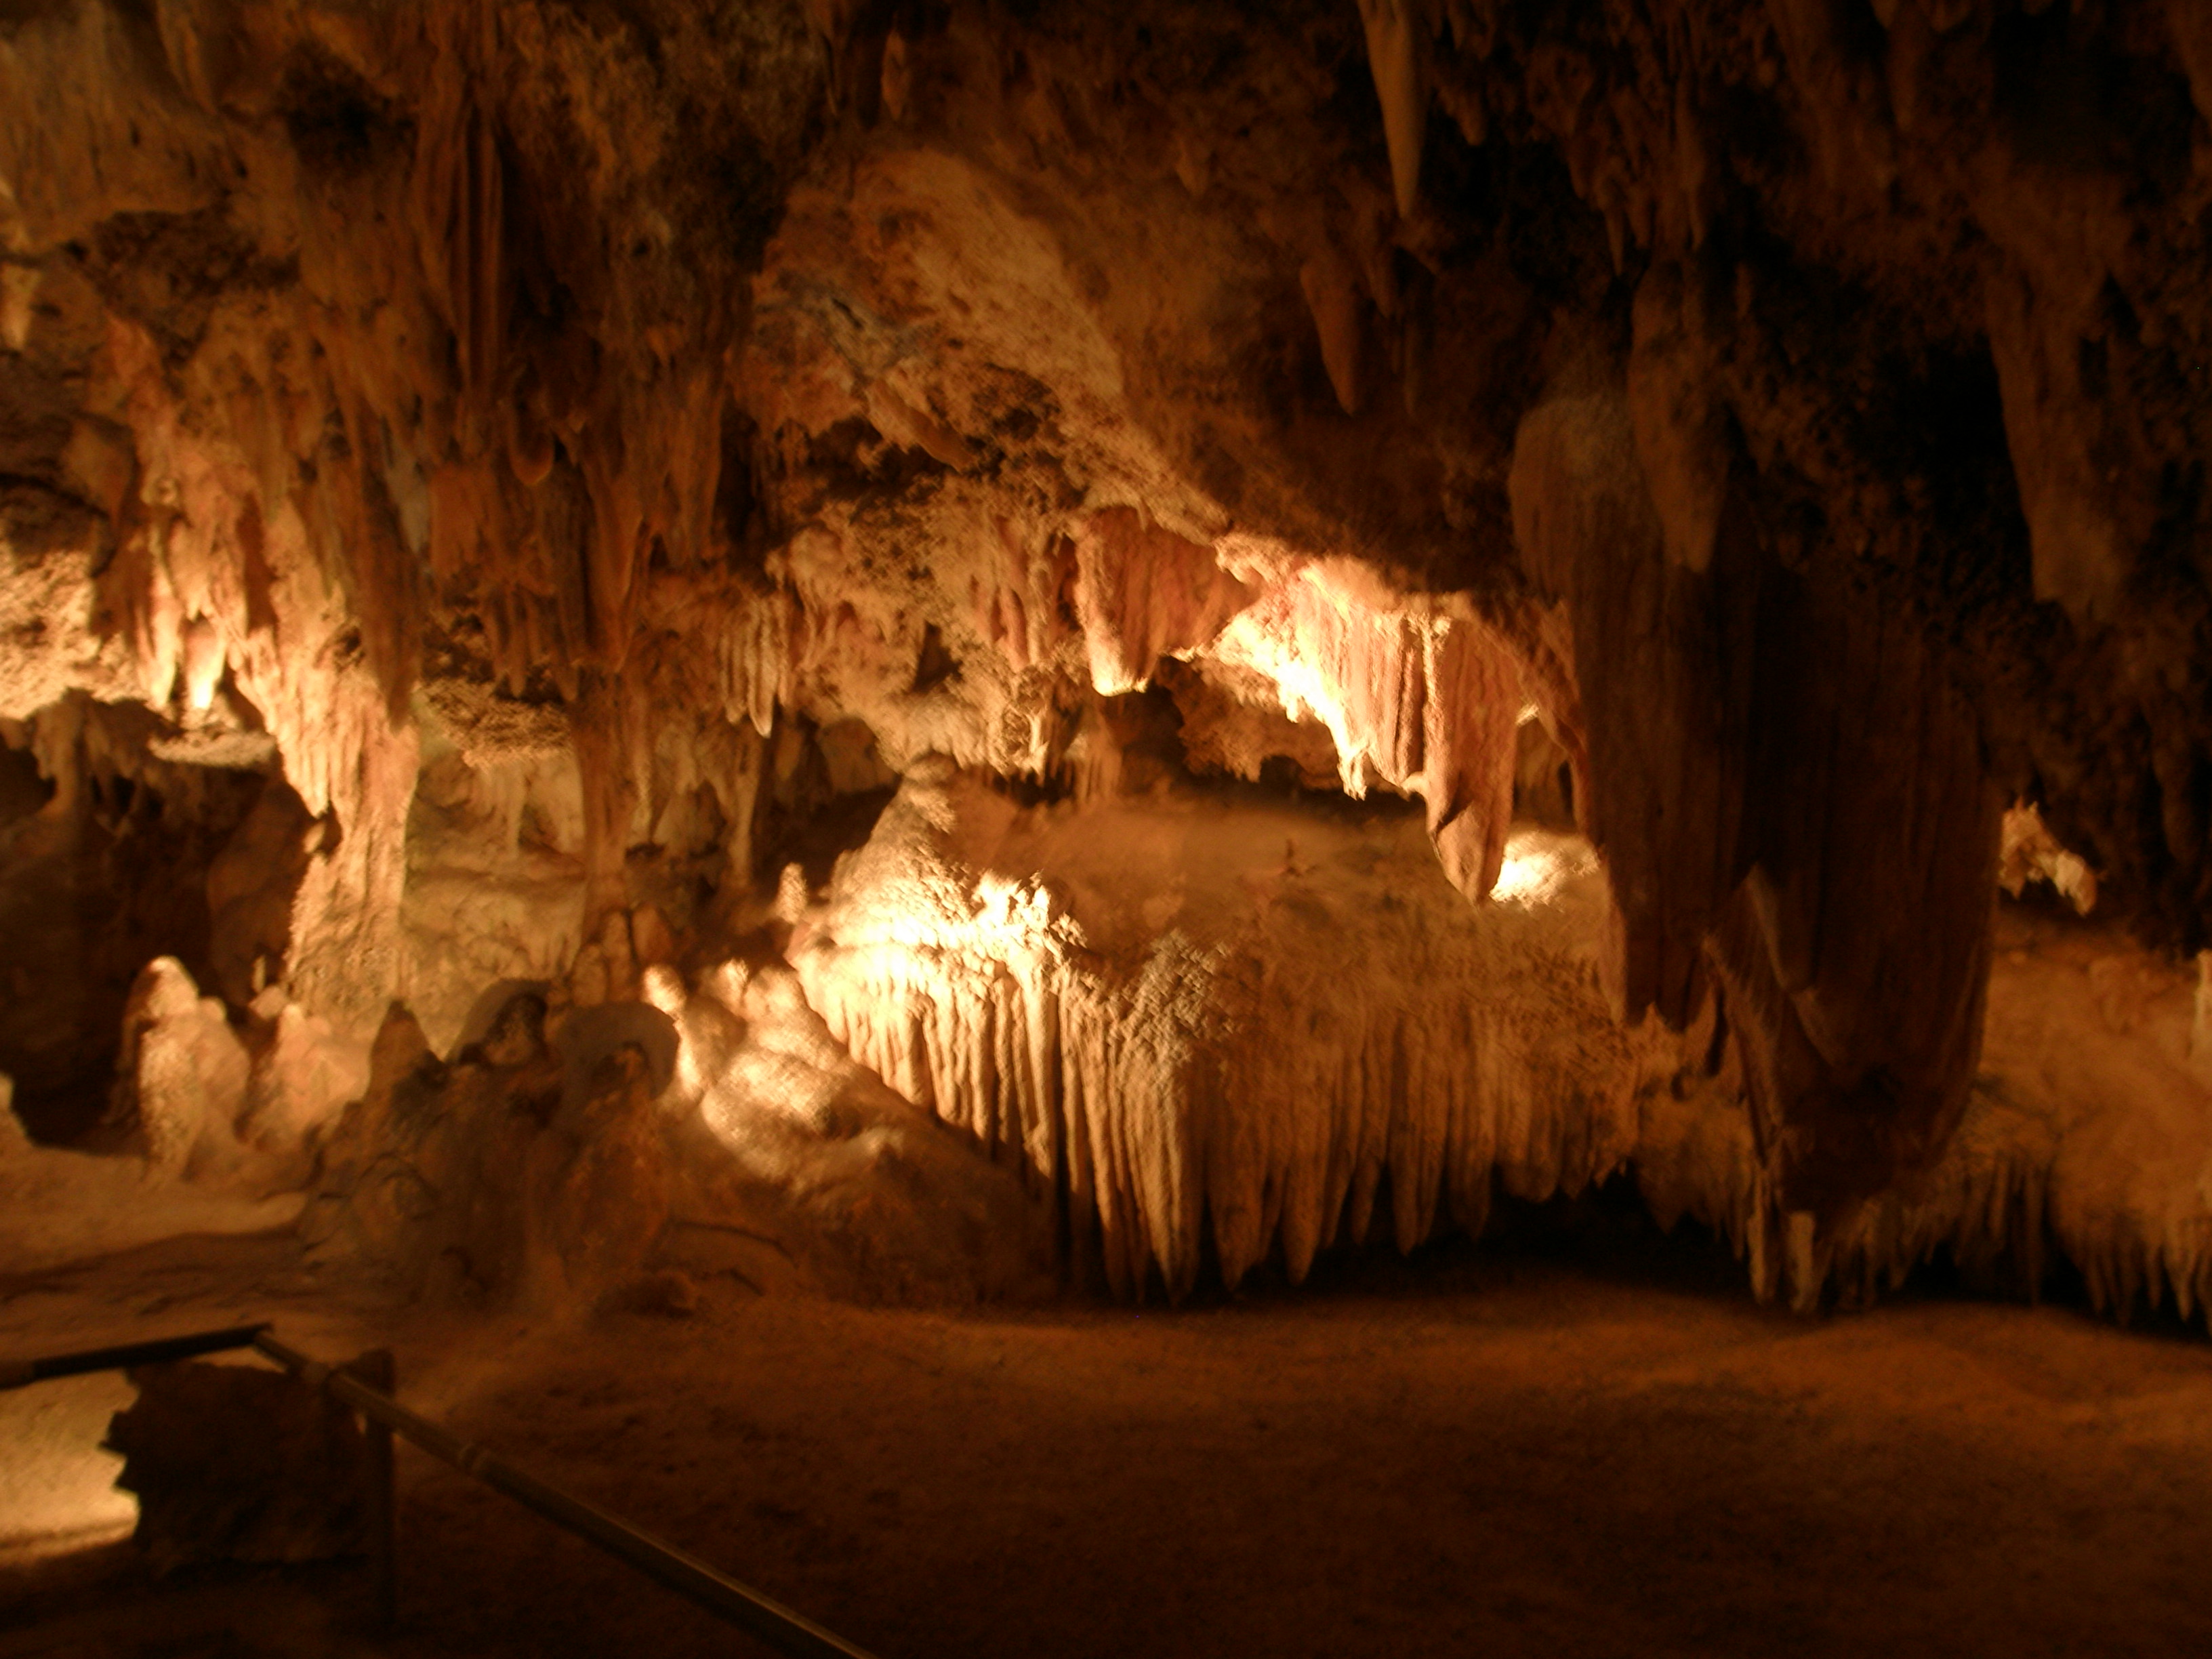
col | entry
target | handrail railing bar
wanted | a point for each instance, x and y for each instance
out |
(780, 1627)
(22, 1373)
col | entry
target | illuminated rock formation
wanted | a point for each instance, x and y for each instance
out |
(1198, 1020)
(568, 1155)
(487, 486)
(2086, 1131)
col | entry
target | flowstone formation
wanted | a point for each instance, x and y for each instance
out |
(503, 493)
(1206, 1021)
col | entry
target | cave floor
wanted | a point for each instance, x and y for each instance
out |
(1555, 1448)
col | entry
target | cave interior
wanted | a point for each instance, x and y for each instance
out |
(708, 700)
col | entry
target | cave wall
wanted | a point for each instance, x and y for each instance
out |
(544, 425)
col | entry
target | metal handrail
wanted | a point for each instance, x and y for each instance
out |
(782, 1629)
(21, 1373)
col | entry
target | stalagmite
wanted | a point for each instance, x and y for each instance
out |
(302, 1084)
(183, 1086)
(588, 1036)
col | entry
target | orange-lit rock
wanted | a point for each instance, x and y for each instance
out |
(485, 490)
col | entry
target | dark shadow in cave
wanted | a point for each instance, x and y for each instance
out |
(108, 871)
(816, 842)
(1606, 1237)
(1606, 1234)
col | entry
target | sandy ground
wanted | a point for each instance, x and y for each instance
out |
(1569, 1443)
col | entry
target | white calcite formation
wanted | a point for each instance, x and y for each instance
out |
(1200, 1021)
(563, 1156)
(220, 1105)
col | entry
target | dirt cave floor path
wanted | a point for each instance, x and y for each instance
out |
(1579, 1448)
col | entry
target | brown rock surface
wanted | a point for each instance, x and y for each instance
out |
(582, 452)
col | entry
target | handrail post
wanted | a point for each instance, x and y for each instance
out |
(377, 1369)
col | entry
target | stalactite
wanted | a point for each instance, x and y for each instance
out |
(2056, 432)
(1143, 593)
(1415, 697)
(755, 651)
(1396, 31)
(1332, 298)
(1471, 713)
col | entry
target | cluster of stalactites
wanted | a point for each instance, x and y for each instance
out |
(2000, 1207)
(1263, 1077)
(1421, 701)
(348, 381)
(1417, 694)
(1278, 1134)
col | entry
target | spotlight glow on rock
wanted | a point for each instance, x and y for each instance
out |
(56, 1486)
